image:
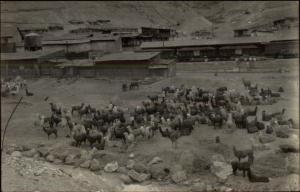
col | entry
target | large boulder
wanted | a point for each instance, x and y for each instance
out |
(159, 171)
(289, 148)
(220, 168)
(130, 164)
(16, 154)
(252, 129)
(86, 164)
(95, 165)
(266, 139)
(282, 134)
(50, 158)
(126, 179)
(44, 151)
(179, 176)
(72, 159)
(138, 177)
(62, 152)
(193, 163)
(30, 153)
(111, 167)
(140, 167)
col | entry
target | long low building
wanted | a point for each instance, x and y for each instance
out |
(187, 50)
(134, 65)
(129, 65)
(29, 64)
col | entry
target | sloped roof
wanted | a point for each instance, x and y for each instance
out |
(210, 42)
(25, 55)
(128, 56)
(75, 38)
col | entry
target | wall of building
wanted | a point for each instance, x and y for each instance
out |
(288, 48)
(106, 46)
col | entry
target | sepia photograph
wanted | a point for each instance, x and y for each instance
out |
(149, 96)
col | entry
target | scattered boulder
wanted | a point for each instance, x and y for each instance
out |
(86, 164)
(289, 148)
(140, 167)
(95, 165)
(130, 164)
(155, 160)
(252, 129)
(50, 158)
(30, 153)
(57, 161)
(221, 169)
(16, 154)
(44, 151)
(179, 176)
(282, 134)
(62, 152)
(111, 167)
(269, 130)
(137, 177)
(126, 179)
(71, 159)
(159, 171)
(266, 139)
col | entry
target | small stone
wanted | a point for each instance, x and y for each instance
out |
(86, 164)
(135, 176)
(50, 158)
(126, 179)
(111, 167)
(36, 156)
(179, 176)
(95, 165)
(159, 171)
(71, 159)
(131, 155)
(57, 161)
(16, 154)
(155, 160)
(130, 164)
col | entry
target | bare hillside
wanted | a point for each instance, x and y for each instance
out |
(184, 16)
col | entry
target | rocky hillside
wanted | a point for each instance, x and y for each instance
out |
(184, 16)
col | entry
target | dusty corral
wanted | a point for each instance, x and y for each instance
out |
(194, 153)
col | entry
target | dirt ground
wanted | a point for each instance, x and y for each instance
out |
(98, 93)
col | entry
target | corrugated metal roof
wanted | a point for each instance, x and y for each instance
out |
(211, 42)
(128, 56)
(241, 47)
(25, 55)
(64, 42)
